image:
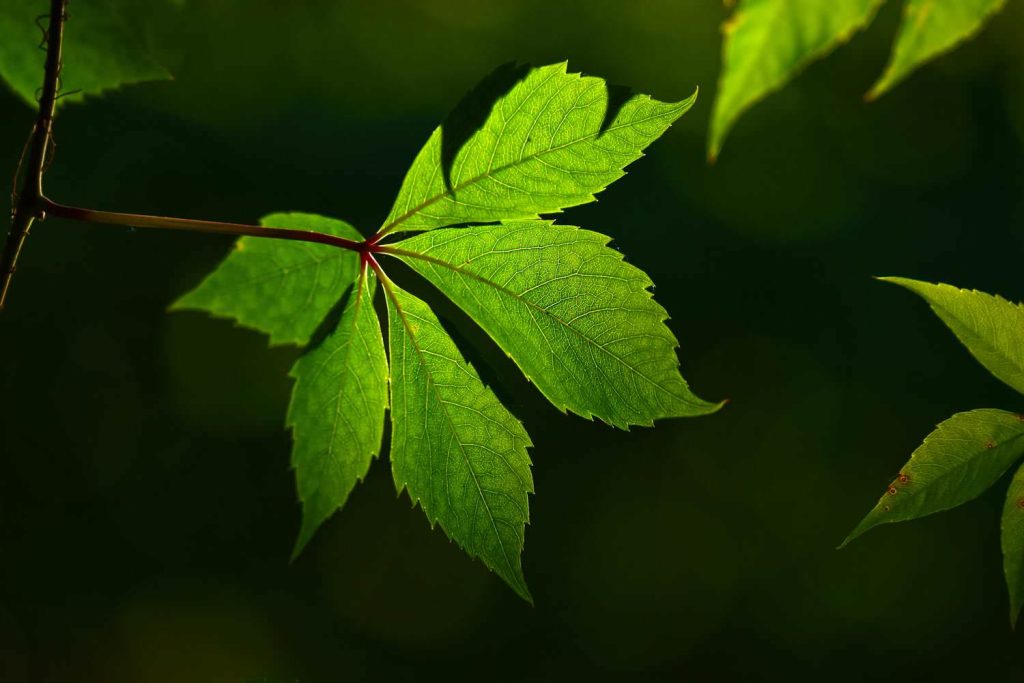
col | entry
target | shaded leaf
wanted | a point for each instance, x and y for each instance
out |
(930, 28)
(337, 410)
(989, 326)
(545, 146)
(460, 454)
(573, 315)
(1013, 543)
(282, 288)
(767, 42)
(101, 50)
(956, 463)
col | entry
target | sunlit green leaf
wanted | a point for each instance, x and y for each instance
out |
(989, 326)
(337, 410)
(545, 146)
(460, 454)
(101, 49)
(929, 28)
(282, 288)
(767, 42)
(573, 315)
(956, 463)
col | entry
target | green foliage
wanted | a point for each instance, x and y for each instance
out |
(956, 463)
(337, 410)
(101, 50)
(929, 28)
(1013, 542)
(578, 319)
(284, 289)
(558, 300)
(767, 42)
(967, 453)
(989, 326)
(460, 454)
(545, 146)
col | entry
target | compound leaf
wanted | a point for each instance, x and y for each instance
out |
(551, 142)
(101, 50)
(767, 42)
(460, 454)
(337, 410)
(929, 28)
(1013, 543)
(573, 315)
(956, 463)
(991, 327)
(282, 288)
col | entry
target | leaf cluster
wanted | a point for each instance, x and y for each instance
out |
(970, 451)
(571, 313)
(767, 42)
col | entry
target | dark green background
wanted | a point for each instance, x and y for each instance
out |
(147, 510)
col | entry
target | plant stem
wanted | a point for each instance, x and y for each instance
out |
(141, 221)
(32, 205)
(27, 207)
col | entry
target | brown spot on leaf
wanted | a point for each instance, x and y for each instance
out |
(903, 478)
(989, 445)
(892, 491)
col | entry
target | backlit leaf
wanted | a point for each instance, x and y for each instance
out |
(279, 287)
(956, 463)
(460, 454)
(101, 49)
(337, 410)
(930, 28)
(989, 326)
(573, 315)
(767, 42)
(547, 144)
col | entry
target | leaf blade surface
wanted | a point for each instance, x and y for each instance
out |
(337, 410)
(282, 288)
(957, 462)
(767, 42)
(101, 51)
(930, 28)
(546, 146)
(991, 327)
(577, 319)
(457, 451)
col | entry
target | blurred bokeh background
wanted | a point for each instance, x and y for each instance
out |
(147, 510)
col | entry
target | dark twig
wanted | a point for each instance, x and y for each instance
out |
(30, 204)
(28, 207)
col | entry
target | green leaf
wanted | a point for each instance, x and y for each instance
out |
(545, 146)
(956, 463)
(930, 28)
(460, 454)
(989, 326)
(282, 288)
(337, 410)
(767, 42)
(1013, 542)
(573, 315)
(101, 50)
